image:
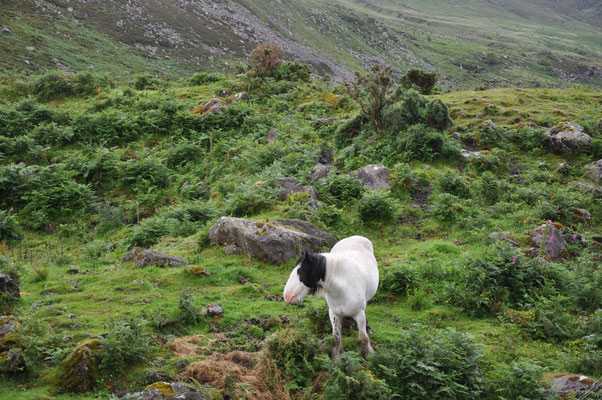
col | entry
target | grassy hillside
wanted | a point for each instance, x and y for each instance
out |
(88, 175)
(470, 44)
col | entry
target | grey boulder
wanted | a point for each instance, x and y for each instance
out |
(549, 242)
(594, 171)
(289, 186)
(321, 171)
(567, 137)
(374, 176)
(8, 286)
(269, 241)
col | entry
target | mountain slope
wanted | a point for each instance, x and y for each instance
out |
(472, 43)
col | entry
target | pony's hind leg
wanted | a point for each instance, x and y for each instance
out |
(365, 346)
(337, 326)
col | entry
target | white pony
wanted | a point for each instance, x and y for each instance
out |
(347, 278)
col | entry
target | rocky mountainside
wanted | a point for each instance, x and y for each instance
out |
(480, 42)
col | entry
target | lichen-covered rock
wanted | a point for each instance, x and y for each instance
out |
(214, 310)
(267, 241)
(213, 106)
(567, 137)
(145, 257)
(79, 373)
(594, 171)
(197, 270)
(309, 229)
(9, 332)
(165, 390)
(583, 215)
(321, 171)
(374, 176)
(548, 240)
(289, 186)
(8, 287)
(564, 384)
(589, 188)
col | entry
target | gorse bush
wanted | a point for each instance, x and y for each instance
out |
(453, 183)
(376, 207)
(203, 78)
(340, 189)
(293, 72)
(420, 142)
(431, 364)
(126, 342)
(503, 277)
(349, 379)
(424, 81)
(265, 59)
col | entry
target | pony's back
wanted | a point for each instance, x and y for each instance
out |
(353, 243)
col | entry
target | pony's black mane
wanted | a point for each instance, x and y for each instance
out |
(312, 269)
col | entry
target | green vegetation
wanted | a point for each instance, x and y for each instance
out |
(85, 175)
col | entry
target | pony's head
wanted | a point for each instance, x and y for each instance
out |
(309, 271)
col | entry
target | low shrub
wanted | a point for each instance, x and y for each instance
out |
(399, 280)
(431, 364)
(417, 78)
(251, 201)
(149, 232)
(376, 207)
(452, 182)
(586, 285)
(87, 83)
(52, 85)
(488, 188)
(350, 379)
(188, 312)
(293, 72)
(419, 142)
(203, 78)
(446, 207)
(502, 277)
(9, 228)
(125, 343)
(521, 380)
(340, 189)
(559, 206)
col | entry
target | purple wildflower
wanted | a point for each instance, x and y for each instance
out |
(551, 239)
(574, 237)
(156, 210)
(106, 141)
(186, 183)
(513, 260)
(137, 204)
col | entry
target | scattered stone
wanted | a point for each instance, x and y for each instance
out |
(480, 116)
(145, 257)
(272, 135)
(567, 137)
(583, 215)
(79, 373)
(548, 236)
(223, 93)
(563, 169)
(374, 176)
(8, 287)
(73, 271)
(243, 281)
(213, 106)
(199, 271)
(180, 365)
(503, 237)
(269, 241)
(564, 384)
(30, 48)
(239, 97)
(594, 171)
(71, 316)
(214, 310)
(9, 332)
(6, 31)
(326, 156)
(273, 297)
(128, 299)
(289, 186)
(321, 171)
(154, 376)
(489, 124)
(27, 62)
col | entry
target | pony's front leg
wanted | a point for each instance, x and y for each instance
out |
(337, 326)
(365, 346)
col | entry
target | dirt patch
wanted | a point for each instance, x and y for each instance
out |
(240, 374)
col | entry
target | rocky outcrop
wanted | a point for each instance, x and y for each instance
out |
(594, 171)
(8, 287)
(145, 257)
(79, 372)
(290, 185)
(165, 390)
(567, 137)
(9, 332)
(268, 241)
(374, 176)
(309, 229)
(549, 242)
